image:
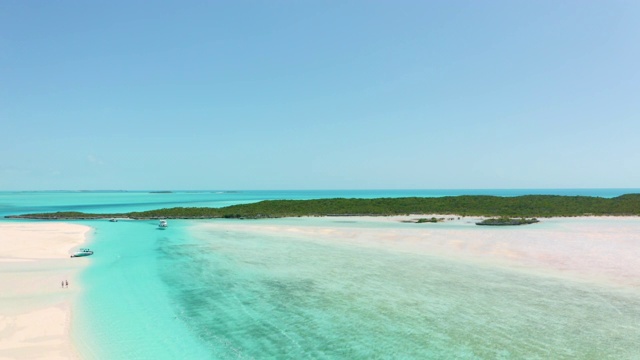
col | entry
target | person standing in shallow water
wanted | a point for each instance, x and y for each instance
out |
(63, 284)
(66, 283)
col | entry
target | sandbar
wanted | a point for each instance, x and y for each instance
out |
(604, 250)
(35, 309)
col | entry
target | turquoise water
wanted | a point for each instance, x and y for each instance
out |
(297, 297)
(125, 311)
(208, 292)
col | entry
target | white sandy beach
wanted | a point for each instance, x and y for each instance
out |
(35, 310)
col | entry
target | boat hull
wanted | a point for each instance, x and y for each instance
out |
(82, 253)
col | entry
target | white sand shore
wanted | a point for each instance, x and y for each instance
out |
(35, 310)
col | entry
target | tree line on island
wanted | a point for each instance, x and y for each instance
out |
(520, 207)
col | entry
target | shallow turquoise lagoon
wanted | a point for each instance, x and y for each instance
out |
(201, 293)
(125, 311)
(193, 292)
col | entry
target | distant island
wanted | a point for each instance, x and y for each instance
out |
(507, 221)
(528, 206)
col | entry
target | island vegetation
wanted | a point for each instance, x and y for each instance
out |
(429, 220)
(507, 221)
(432, 219)
(529, 206)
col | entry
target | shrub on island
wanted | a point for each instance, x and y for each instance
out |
(507, 221)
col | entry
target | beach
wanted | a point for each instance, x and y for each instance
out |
(35, 307)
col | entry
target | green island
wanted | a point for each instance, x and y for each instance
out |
(528, 206)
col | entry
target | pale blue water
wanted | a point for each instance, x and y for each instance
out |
(200, 293)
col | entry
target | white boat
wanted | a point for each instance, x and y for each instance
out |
(163, 224)
(82, 252)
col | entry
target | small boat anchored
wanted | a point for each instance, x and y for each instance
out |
(163, 224)
(82, 252)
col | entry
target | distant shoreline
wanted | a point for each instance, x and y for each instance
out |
(527, 206)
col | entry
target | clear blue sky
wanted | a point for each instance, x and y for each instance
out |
(319, 95)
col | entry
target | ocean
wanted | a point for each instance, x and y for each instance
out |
(279, 289)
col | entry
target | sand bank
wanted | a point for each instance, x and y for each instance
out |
(595, 249)
(35, 310)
